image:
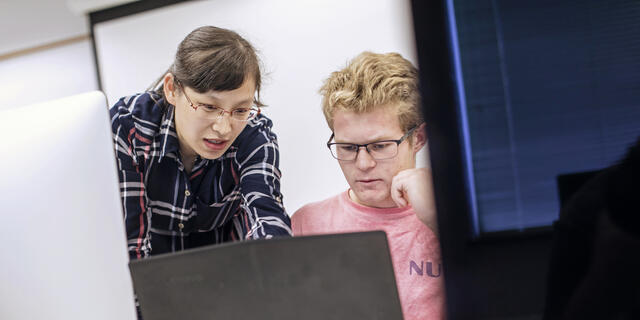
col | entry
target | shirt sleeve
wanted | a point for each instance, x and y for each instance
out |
(265, 215)
(297, 220)
(130, 174)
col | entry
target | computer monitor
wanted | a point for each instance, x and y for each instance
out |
(337, 276)
(491, 278)
(63, 242)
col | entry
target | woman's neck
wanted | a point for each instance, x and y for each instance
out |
(188, 159)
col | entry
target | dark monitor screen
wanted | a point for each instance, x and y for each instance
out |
(496, 261)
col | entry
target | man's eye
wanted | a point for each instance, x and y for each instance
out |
(348, 148)
(379, 146)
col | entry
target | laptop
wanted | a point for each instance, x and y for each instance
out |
(340, 276)
(63, 246)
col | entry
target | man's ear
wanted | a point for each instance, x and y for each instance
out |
(169, 88)
(419, 137)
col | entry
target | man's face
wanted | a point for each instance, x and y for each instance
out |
(370, 179)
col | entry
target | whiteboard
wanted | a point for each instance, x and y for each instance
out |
(299, 42)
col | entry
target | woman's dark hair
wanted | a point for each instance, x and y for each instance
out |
(211, 58)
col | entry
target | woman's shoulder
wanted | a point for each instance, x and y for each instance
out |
(261, 123)
(258, 131)
(147, 108)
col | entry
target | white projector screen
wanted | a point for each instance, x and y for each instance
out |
(299, 42)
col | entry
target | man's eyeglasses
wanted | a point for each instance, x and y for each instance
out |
(210, 112)
(379, 150)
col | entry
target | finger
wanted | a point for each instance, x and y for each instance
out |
(399, 199)
(397, 192)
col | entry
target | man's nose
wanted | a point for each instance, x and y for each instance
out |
(364, 160)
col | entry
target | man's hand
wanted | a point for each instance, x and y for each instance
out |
(415, 187)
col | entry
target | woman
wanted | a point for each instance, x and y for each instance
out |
(198, 162)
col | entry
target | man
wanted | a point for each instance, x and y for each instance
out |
(372, 107)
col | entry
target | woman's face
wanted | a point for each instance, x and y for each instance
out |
(197, 135)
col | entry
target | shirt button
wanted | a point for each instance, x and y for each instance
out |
(180, 225)
(187, 193)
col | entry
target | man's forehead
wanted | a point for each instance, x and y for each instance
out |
(382, 116)
(364, 127)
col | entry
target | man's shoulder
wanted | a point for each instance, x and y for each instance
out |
(316, 217)
(319, 207)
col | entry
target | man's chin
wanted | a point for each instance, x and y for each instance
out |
(371, 198)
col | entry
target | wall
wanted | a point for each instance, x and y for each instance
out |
(31, 23)
(48, 74)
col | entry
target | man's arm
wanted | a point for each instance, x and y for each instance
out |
(415, 187)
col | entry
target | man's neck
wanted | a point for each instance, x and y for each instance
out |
(386, 205)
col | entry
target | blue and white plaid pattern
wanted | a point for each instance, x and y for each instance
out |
(234, 197)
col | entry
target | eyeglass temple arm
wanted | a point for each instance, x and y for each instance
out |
(330, 138)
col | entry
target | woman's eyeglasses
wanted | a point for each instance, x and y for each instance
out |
(209, 112)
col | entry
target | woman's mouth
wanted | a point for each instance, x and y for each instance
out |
(215, 144)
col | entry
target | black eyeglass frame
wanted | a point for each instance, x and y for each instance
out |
(366, 145)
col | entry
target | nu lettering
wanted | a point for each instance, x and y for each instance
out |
(419, 270)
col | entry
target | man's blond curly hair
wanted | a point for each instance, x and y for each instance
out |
(373, 80)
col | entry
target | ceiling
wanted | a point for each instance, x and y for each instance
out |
(31, 23)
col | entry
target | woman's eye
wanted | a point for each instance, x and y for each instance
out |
(241, 111)
(208, 108)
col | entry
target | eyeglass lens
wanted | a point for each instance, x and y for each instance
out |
(378, 150)
(213, 113)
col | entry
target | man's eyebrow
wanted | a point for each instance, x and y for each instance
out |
(372, 140)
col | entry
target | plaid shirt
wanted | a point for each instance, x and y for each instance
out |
(234, 197)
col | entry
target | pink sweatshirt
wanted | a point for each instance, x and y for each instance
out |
(415, 250)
